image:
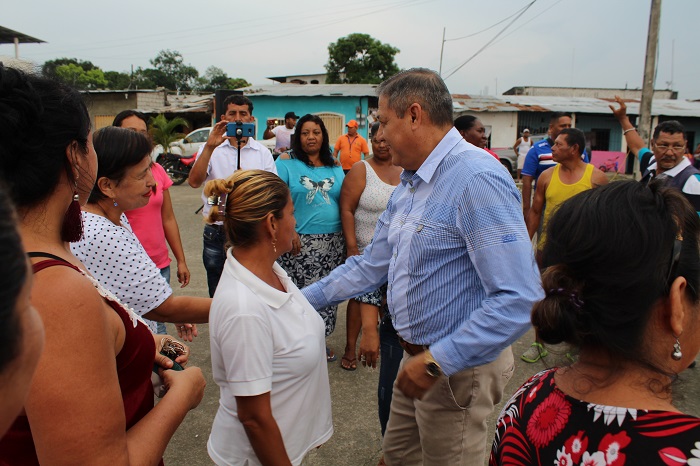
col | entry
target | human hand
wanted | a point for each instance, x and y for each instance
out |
(413, 380)
(171, 347)
(217, 135)
(369, 347)
(352, 251)
(296, 244)
(183, 274)
(619, 113)
(189, 384)
(186, 332)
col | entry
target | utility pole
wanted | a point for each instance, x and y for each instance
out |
(644, 123)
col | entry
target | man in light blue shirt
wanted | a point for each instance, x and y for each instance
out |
(462, 276)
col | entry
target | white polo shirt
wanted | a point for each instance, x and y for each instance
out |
(224, 161)
(265, 340)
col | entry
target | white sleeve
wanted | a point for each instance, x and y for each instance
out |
(246, 346)
(116, 258)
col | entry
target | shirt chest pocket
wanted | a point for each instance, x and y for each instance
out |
(436, 231)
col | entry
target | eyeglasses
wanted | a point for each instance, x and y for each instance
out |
(678, 149)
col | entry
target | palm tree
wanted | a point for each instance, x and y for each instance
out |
(163, 130)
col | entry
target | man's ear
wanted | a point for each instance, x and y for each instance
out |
(415, 111)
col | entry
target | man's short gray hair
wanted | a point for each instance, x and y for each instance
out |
(422, 86)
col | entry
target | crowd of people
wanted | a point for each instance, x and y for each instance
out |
(428, 238)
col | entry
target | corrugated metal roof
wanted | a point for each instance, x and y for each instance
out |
(312, 90)
(183, 104)
(523, 103)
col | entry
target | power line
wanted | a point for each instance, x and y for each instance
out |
(321, 17)
(492, 40)
(488, 28)
(528, 22)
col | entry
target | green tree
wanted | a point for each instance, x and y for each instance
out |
(79, 78)
(163, 131)
(361, 59)
(172, 73)
(215, 78)
(117, 80)
(235, 83)
(49, 66)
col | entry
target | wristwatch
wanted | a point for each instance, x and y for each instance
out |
(432, 368)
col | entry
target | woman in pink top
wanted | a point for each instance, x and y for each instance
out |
(155, 223)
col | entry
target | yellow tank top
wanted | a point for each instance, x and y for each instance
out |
(558, 192)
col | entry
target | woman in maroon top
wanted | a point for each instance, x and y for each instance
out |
(91, 399)
(621, 282)
(21, 330)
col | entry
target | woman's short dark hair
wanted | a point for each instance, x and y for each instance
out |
(118, 149)
(325, 153)
(13, 274)
(609, 259)
(124, 114)
(39, 119)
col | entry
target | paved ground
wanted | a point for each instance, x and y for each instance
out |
(356, 441)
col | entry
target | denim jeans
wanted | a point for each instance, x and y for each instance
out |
(389, 361)
(213, 255)
(165, 273)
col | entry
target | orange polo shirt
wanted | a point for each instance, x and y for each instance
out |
(351, 152)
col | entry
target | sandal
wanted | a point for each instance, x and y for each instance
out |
(351, 363)
(534, 353)
(330, 355)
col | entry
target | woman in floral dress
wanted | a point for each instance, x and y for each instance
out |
(621, 282)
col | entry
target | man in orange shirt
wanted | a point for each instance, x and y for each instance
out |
(351, 146)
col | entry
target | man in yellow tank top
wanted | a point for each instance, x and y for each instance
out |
(569, 177)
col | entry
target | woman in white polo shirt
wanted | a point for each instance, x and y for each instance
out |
(267, 342)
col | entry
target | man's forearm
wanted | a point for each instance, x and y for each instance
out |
(199, 170)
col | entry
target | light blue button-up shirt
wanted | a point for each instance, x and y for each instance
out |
(455, 250)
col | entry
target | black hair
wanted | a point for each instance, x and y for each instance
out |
(556, 115)
(574, 136)
(670, 127)
(39, 119)
(13, 274)
(465, 122)
(238, 99)
(609, 259)
(374, 129)
(118, 149)
(124, 114)
(325, 152)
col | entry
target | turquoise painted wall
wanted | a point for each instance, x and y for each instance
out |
(265, 107)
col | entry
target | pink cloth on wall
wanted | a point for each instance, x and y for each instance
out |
(147, 221)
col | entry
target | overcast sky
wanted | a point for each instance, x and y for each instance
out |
(582, 43)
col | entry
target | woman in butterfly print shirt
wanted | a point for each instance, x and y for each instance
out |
(314, 180)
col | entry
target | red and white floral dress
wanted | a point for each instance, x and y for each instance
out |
(544, 426)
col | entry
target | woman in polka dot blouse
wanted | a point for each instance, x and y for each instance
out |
(109, 248)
